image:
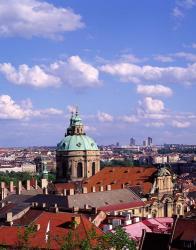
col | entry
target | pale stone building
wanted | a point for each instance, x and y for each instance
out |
(77, 155)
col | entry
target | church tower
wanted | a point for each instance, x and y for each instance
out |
(77, 155)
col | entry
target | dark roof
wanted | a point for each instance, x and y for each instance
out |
(28, 217)
(155, 241)
(184, 231)
(50, 200)
(103, 199)
(192, 195)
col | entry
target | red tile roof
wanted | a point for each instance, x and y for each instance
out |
(124, 206)
(116, 177)
(59, 227)
(119, 176)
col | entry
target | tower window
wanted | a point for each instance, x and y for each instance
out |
(93, 168)
(79, 170)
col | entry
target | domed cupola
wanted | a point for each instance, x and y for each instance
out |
(77, 155)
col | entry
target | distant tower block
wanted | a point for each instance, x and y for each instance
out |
(77, 155)
(132, 142)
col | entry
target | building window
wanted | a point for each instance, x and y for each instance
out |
(79, 170)
(93, 168)
(178, 209)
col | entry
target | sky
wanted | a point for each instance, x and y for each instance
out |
(129, 67)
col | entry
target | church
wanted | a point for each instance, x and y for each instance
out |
(78, 169)
(77, 155)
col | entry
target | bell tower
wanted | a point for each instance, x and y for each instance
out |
(77, 155)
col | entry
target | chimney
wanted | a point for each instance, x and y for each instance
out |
(75, 221)
(93, 189)
(9, 217)
(75, 209)
(94, 210)
(84, 190)
(36, 204)
(71, 191)
(28, 185)
(45, 190)
(44, 205)
(108, 187)
(2, 184)
(37, 227)
(101, 188)
(11, 186)
(86, 206)
(44, 183)
(3, 193)
(64, 192)
(36, 186)
(19, 187)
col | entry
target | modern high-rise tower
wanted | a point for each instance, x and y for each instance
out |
(132, 142)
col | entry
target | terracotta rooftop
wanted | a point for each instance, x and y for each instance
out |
(124, 206)
(117, 177)
(56, 225)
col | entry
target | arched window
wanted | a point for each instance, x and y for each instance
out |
(178, 209)
(166, 209)
(154, 213)
(79, 169)
(93, 168)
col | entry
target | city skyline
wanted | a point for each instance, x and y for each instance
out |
(129, 67)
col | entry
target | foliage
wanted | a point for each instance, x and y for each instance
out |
(23, 237)
(125, 163)
(120, 240)
(22, 176)
(14, 176)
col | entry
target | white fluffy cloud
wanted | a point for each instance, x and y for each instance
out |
(35, 18)
(34, 76)
(150, 105)
(187, 56)
(154, 90)
(129, 118)
(76, 73)
(104, 117)
(73, 72)
(9, 109)
(139, 74)
(181, 124)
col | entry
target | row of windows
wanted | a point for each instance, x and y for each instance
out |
(80, 169)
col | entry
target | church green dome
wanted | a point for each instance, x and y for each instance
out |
(77, 142)
(75, 138)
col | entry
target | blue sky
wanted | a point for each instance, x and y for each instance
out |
(130, 67)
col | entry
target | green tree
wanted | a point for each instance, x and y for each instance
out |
(120, 240)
